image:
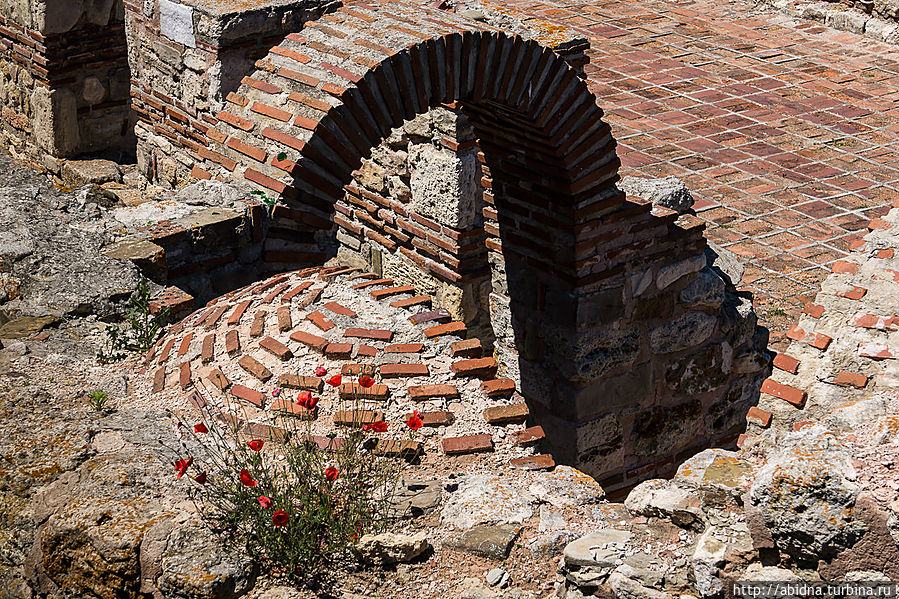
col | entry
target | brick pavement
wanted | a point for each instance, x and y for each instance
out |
(785, 131)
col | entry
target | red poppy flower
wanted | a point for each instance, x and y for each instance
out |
(276, 392)
(201, 478)
(334, 380)
(264, 501)
(331, 473)
(303, 398)
(256, 444)
(414, 421)
(181, 466)
(200, 428)
(379, 427)
(313, 401)
(280, 518)
(246, 479)
(366, 381)
(321, 371)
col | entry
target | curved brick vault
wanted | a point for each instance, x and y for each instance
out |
(614, 319)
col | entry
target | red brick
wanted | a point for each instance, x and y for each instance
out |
(258, 326)
(372, 283)
(296, 291)
(264, 180)
(232, 343)
(879, 223)
(313, 341)
(166, 350)
(339, 309)
(819, 341)
(787, 393)
(185, 344)
(402, 448)
(281, 137)
(418, 300)
(801, 424)
(239, 310)
(217, 378)
(479, 367)
(235, 121)
(542, 461)
(758, 416)
(467, 348)
(467, 444)
(498, 387)
(422, 392)
(294, 409)
(844, 267)
(430, 316)
(451, 328)
(391, 291)
(366, 350)
(255, 368)
(319, 320)
(215, 316)
(530, 435)
(273, 346)
(856, 293)
(874, 350)
(786, 363)
(197, 400)
(506, 414)
(274, 293)
(285, 322)
(398, 370)
(357, 369)
(813, 310)
(339, 350)
(885, 254)
(294, 381)
(251, 395)
(355, 390)
(159, 379)
(847, 379)
(271, 111)
(207, 352)
(404, 348)
(795, 333)
(357, 418)
(374, 334)
(872, 321)
(246, 149)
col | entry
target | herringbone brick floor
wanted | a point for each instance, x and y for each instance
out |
(786, 132)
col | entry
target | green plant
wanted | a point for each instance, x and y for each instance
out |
(301, 507)
(143, 327)
(777, 312)
(97, 399)
(265, 199)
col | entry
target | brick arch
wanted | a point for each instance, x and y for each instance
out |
(594, 279)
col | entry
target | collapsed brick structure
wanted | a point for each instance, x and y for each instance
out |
(602, 309)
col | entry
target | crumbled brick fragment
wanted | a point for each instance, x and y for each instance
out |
(855, 293)
(467, 348)
(357, 417)
(184, 375)
(418, 300)
(542, 461)
(207, 351)
(372, 283)
(319, 320)
(258, 326)
(404, 348)
(339, 350)
(293, 381)
(340, 309)
(232, 342)
(159, 379)
(355, 390)
(758, 416)
(423, 392)
(379, 294)
(295, 291)
(787, 393)
(245, 393)
(285, 322)
(430, 316)
(275, 347)
(467, 444)
(185, 344)
(197, 400)
(397, 370)
(844, 267)
(787, 363)
(356, 369)
(851, 379)
(506, 414)
(813, 310)
(366, 350)
(373, 334)
(217, 378)
(166, 349)
(798, 426)
(450, 328)
(498, 387)
(313, 341)
(875, 350)
(530, 435)
(477, 367)
(255, 368)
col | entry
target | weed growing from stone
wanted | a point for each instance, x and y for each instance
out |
(97, 400)
(297, 502)
(142, 330)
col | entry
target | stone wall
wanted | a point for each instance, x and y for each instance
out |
(878, 20)
(185, 58)
(64, 79)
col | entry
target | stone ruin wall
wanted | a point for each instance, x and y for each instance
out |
(64, 79)
(643, 361)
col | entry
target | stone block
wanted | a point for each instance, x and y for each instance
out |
(176, 22)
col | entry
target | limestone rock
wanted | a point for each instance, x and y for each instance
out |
(445, 186)
(707, 291)
(690, 330)
(669, 192)
(725, 263)
(483, 499)
(492, 542)
(388, 548)
(566, 486)
(662, 499)
(196, 565)
(625, 587)
(588, 561)
(76, 173)
(716, 547)
(806, 493)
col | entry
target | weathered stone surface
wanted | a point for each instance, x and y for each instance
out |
(690, 330)
(589, 560)
(76, 173)
(388, 548)
(701, 371)
(707, 291)
(196, 565)
(566, 486)
(26, 326)
(669, 192)
(492, 542)
(725, 263)
(445, 185)
(664, 499)
(806, 493)
(483, 499)
(716, 547)
(414, 498)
